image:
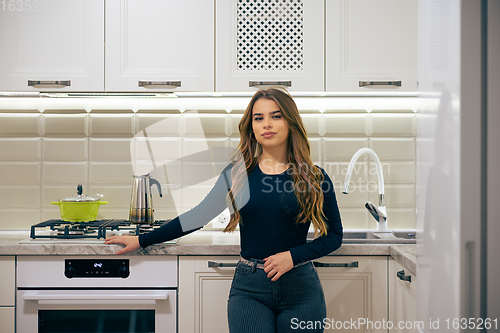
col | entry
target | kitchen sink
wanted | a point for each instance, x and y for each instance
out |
(374, 237)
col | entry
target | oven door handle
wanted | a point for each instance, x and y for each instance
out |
(161, 296)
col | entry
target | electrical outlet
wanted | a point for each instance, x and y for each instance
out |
(221, 220)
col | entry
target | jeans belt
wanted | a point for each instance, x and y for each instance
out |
(261, 265)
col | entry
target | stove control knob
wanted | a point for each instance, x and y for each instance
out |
(70, 272)
(124, 272)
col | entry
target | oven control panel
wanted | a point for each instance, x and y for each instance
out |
(96, 268)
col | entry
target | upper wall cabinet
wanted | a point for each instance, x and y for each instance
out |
(55, 45)
(277, 42)
(371, 45)
(159, 45)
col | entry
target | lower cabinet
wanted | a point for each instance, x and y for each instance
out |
(402, 299)
(203, 292)
(7, 293)
(353, 293)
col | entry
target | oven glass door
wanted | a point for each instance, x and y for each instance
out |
(112, 321)
(92, 311)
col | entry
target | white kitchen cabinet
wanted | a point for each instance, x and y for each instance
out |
(154, 45)
(7, 293)
(203, 293)
(269, 43)
(350, 292)
(371, 45)
(52, 45)
(358, 291)
(402, 298)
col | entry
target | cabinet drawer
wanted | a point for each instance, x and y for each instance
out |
(7, 319)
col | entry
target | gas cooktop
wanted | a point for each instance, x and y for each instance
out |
(59, 231)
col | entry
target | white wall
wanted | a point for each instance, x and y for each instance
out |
(49, 145)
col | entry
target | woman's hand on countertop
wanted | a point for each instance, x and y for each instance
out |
(278, 264)
(131, 243)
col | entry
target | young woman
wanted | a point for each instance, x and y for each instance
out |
(274, 193)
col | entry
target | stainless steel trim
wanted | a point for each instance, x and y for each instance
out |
(269, 83)
(94, 297)
(336, 264)
(379, 83)
(65, 83)
(159, 83)
(381, 200)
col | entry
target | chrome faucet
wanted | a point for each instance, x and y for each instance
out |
(379, 213)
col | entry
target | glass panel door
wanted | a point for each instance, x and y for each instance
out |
(93, 321)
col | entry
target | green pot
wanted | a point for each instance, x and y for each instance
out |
(79, 208)
(79, 211)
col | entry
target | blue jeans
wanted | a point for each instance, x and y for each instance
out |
(293, 303)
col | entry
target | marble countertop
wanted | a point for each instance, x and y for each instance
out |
(197, 243)
(406, 255)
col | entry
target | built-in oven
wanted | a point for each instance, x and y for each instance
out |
(96, 294)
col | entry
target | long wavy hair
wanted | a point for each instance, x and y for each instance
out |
(307, 178)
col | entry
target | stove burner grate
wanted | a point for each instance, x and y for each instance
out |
(91, 229)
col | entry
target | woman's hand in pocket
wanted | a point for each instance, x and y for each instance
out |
(278, 264)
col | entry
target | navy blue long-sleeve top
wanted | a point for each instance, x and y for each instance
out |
(268, 220)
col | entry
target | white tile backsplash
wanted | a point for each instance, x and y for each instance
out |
(201, 125)
(342, 149)
(159, 125)
(25, 173)
(20, 218)
(393, 149)
(345, 124)
(65, 149)
(109, 150)
(64, 172)
(157, 148)
(21, 196)
(110, 173)
(44, 155)
(312, 123)
(112, 125)
(20, 149)
(394, 125)
(66, 125)
(24, 124)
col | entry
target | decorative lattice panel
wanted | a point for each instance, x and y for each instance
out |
(270, 34)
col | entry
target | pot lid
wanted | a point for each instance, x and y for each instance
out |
(79, 197)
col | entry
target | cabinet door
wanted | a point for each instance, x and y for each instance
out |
(203, 293)
(7, 293)
(7, 318)
(54, 45)
(7, 281)
(371, 43)
(271, 43)
(354, 292)
(402, 299)
(154, 45)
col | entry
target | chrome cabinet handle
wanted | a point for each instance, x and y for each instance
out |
(379, 83)
(269, 83)
(159, 83)
(66, 83)
(336, 264)
(401, 275)
(220, 264)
